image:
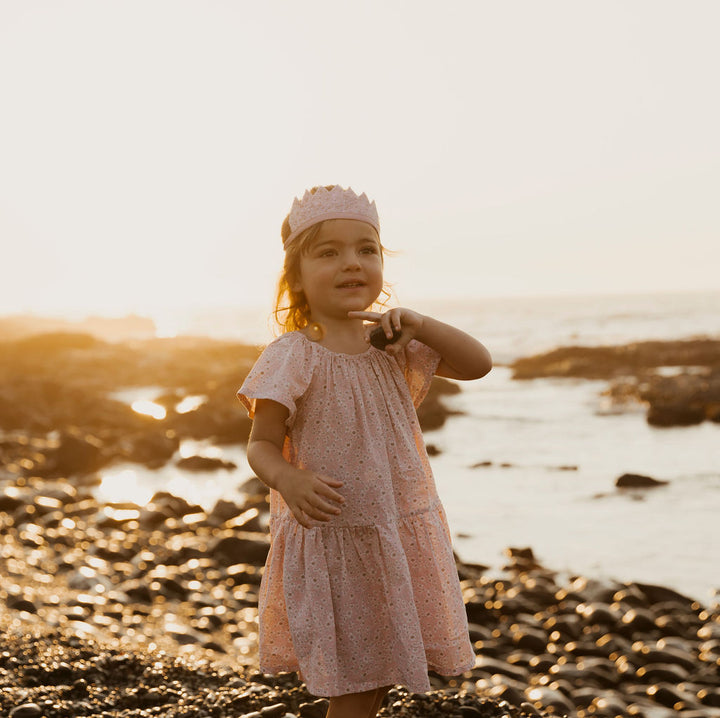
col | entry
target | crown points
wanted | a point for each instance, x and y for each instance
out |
(335, 203)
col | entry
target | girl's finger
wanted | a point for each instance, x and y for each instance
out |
(330, 493)
(318, 514)
(397, 320)
(300, 518)
(387, 324)
(326, 507)
(330, 482)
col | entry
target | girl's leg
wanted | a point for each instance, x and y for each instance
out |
(380, 694)
(357, 705)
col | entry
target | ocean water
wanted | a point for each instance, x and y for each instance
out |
(550, 449)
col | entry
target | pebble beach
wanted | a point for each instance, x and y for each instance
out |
(151, 611)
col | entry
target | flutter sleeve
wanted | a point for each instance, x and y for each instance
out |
(419, 363)
(281, 373)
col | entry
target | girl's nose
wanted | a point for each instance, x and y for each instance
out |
(351, 260)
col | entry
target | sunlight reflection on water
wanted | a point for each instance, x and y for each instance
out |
(126, 485)
(135, 483)
(149, 408)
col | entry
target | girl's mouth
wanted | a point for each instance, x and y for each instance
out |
(351, 285)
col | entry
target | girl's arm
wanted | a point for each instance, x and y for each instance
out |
(308, 495)
(463, 357)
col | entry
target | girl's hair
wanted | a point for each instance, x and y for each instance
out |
(291, 308)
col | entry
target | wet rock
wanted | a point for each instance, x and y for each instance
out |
(529, 708)
(154, 448)
(433, 413)
(278, 710)
(27, 710)
(21, 603)
(542, 696)
(240, 548)
(10, 500)
(637, 481)
(176, 506)
(77, 454)
(690, 396)
(433, 450)
(204, 463)
(225, 510)
(657, 594)
(675, 415)
(621, 360)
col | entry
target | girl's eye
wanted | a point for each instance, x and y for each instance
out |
(370, 249)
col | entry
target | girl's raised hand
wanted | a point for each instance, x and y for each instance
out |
(311, 496)
(406, 321)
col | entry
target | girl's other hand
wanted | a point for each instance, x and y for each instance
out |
(311, 496)
(406, 321)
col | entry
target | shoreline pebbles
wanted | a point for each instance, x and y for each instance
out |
(121, 610)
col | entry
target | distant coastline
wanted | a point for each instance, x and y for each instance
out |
(132, 326)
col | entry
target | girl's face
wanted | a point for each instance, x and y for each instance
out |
(341, 271)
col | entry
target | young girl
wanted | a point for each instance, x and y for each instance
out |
(360, 590)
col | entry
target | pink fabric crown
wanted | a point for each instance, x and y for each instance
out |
(337, 203)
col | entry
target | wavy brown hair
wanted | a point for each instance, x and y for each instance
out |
(291, 308)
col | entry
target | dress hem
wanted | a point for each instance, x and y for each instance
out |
(370, 685)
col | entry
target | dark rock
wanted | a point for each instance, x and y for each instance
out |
(550, 698)
(176, 505)
(659, 673)
(493, 666)
(278, 710)
(77, 454)
(432, 413)
(9, 501)
(253, 487)
(137, 590)
(154, 448)
(626, 360)
(26, 710)
(204, 463)
(20, 603)
(637, 481)
(666, 695)
(675, 415)
(241, 548)
(658, 594)
(529, 708)
(525, 554)
(316, 709)
(709, 696)
(225, 510)
(637, 620)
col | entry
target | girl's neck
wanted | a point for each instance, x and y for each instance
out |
(345, 336)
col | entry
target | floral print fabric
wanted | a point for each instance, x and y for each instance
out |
(371, 597)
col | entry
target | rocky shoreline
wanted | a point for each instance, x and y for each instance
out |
(60, 415)
(678, 381)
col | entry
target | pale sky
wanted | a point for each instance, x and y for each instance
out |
(150, 149)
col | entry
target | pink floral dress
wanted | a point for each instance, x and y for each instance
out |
(370, 598)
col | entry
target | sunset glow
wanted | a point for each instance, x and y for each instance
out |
(524, 149)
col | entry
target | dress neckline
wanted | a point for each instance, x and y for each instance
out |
(334, 353)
